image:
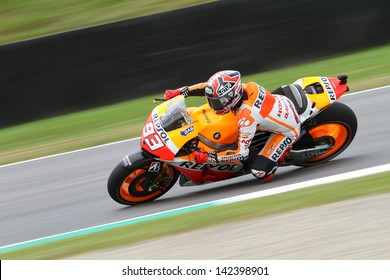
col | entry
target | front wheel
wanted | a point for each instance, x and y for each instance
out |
(132, 185)
(336, 126)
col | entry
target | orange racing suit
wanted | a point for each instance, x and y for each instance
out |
(260, 110)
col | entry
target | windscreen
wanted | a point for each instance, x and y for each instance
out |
(176, 116)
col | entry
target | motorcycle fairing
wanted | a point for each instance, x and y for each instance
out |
(212, 172)
(155, 140)
(321, 92)
(218, 130)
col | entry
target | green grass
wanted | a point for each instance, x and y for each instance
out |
(367, 69)
(256, 208)
(21, 20)
(27, 19)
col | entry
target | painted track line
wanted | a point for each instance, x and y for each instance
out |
(66, 153)
(123, 141)
(191, 208)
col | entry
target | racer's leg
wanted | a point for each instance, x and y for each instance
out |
(285, 121)
(270, 157)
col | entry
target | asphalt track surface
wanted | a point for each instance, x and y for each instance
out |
(67, 192)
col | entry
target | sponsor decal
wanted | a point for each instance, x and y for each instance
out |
(231, 157)
(271, 148)
(154, 166)
(287, 111)
(245, 134)
(160, 130)
(245, 118)
(187, 131)
(196, 166)
(126, 161)
(282, 147)
(246, 142)
(244, 122)
(306, 155)
(206, 117)
(280, 109)
(224, 88)
(260, 98)
(328, 88)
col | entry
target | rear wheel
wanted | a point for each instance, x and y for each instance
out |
(336, 126)
(134, 185)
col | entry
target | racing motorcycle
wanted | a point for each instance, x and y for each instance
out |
(173, 131)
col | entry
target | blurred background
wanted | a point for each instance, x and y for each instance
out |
(75, 74)
(154, 45)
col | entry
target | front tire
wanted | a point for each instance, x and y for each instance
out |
(337, 125)
(125, 184)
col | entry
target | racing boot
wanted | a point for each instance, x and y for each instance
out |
(264, 169)
(270, 175)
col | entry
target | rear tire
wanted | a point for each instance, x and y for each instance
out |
(337, 125)
(125, 183)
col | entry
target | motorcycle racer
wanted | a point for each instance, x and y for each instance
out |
(255, 108)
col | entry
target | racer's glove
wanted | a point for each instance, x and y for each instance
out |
(171, 93)
(202, 156)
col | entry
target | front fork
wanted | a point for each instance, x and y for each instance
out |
(158, 175)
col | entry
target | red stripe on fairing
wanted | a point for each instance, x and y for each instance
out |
(202, 175)
(339, 90)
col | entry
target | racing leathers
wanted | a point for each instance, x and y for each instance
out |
(258, 110)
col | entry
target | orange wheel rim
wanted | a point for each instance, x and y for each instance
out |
(337, 133)
(129, 182)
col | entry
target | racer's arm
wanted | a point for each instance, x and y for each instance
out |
(247, 128)
(240, 150)
(194, 90)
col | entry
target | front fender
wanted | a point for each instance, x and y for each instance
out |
(135, 157)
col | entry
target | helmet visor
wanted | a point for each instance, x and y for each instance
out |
(218, 103)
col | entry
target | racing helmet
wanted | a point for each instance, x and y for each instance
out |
(223, 91)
